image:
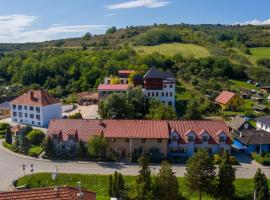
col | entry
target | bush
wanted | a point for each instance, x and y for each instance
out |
(4, 126)
(218, 159)
(11, 147)
(2, 132)
(35, 151)
(76, 116)
(260, 159)
(35, 137)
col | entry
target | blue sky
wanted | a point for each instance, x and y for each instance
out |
(40, 20)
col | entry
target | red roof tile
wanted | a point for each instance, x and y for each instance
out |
(35, 98)
(125, 71)
(224, 97)
(111, 87)
(50, 193)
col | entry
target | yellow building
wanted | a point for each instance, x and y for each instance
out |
(228, 100)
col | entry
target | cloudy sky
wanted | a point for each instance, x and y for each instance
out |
(41, 20)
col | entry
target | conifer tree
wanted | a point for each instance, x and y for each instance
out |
(117, 186)
(226, 178)
(8, 136)
(261, 186)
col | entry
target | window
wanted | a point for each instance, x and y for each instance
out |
(38, 117)
(33, 122)
(20, 107)
(39, 123)
(171, 86)
(166, 94)
(32, 116)
(143, 140)
(31, 108)
(71, 137)
(222, 139)
(170, 94)
(14, 106)
(127, 140)
(55, 136)
(165, 86)
(14, 114)
(205, 138)
(153, 94)
(162, 94)
(25, 107)
(25, 114)
(159, 140)
(38, 109)
(174, 138)
(20, 114)
(156, 94)
(112, 139)
(190, 138)
(182, 149)
(149, 94)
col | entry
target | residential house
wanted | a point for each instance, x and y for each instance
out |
(49, 193)
(263, 123)
(252, 140)
(4, 109)
(35, 107)
(265, 89)
(170, 138)
(228, 100)
(123, 76)
(160, 85)
(239, 123)
(107, 89)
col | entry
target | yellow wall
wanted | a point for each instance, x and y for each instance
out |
(233, 103)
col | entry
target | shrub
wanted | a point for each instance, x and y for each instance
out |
(4, 126)
(35, 151)
(260, 159)
(11, 147)
(35, 137)
(76, 116)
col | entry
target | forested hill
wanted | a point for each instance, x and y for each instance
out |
(205, 35)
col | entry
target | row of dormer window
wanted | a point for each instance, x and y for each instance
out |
(191, 138)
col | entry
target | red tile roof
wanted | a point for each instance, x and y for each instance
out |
(50, 193)
(224, 97)
(35, 98)
(125, 71)
(113, 87)
(136, 128)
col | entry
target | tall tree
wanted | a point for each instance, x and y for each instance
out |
(96, 145)
(117, 186)
(8, 136)
(48, 146)
(142, 188)
(166, 184)
(200, 173)
(261, 186)
(158, 110)
(226, 178)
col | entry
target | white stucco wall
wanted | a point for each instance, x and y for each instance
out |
(264, 127)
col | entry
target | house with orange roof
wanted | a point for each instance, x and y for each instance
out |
(173, 138)
(35, 107)
(228, 100)
(49, 193)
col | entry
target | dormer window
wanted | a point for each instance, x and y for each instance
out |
(55, 136)
(190, 138)
(222, 139)
(174, 138)
(205, 138)
(71, 137)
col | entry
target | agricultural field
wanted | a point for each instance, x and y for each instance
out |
(174, 48)
(99, 184)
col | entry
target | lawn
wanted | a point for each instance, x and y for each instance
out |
(99, 184)
(258, 53)
(174, 48)
(242, 84)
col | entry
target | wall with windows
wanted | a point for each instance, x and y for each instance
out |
(263, 127)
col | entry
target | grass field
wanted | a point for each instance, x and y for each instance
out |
(258, 53)
(99, 184)
(242, 84)
(174, 48)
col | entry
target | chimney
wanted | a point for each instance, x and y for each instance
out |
(31, 94)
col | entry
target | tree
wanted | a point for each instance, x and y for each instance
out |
(87, 36)
(142, 188)
(4, 126)
(24, 143)
(261, 185)
(115, 80)
(96, 145)
(48, 146)
(117, 186)
(160, 111)
(166, 184)
(82, 150)
(111, 30)
(77, 115)
(35, 137)
(192, 111)
(226, 178)
(200, 173)
(8, 136)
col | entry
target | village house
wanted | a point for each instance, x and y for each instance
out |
(228, 100)
(239, 123)
(123, 76)
(170, 138)
(49, 193)
(265, 89)
(35, 107)
(107, 89)
(263, 123)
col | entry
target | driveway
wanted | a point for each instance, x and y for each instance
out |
(88, 112)
(11, 167)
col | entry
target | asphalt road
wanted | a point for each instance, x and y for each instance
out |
(11, 167)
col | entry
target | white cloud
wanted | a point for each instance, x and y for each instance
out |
(255, 22)
(138, 3)
(18, 28)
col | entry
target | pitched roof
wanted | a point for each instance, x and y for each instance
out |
(133, 128)
(253, 136)
(35, 98)
(212, 127)
(237, 122)
(116, 87)
(264, 120)
(49, 193)
(153, 72)
(224, 97)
